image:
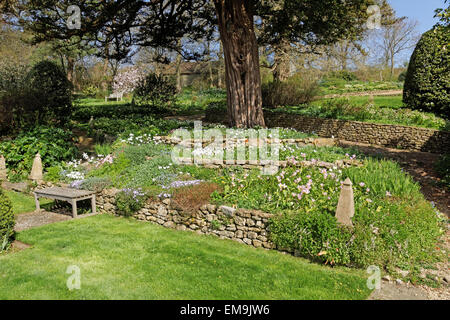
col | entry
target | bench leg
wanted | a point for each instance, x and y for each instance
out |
(74, 209)
(36, 200)
(93, 205)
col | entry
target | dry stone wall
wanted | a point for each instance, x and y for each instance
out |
(245, 226)
(396, 136)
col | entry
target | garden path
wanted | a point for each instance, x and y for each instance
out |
(420, 165)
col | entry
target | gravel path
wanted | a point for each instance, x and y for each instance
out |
(35, 219)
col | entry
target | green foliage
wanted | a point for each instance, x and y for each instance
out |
(115, 170)
(53, 174)
(393, 225)
(339, 86)
(345, 109)
(191, 102)
(49, 96)
(90, 91)
(155, 92)
(12, 88)
(343, 75)
(41, 96)
(427, 83)
(7, 220)
(443, 168)
(53, 144)
(129, 201)
(402, 76)
(96, 184)
(291, 92)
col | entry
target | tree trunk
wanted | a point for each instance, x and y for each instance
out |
(219, 69)
(282, 62)
(178, 71)
(70, 69)
(392, 66)
(242, 73)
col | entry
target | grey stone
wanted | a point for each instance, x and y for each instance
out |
(252, 235)
(346, 205)
(257, 243)
(3, 174)
(228, 211)
(36, 170)
(162, 211)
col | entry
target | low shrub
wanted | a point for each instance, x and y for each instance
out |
(344, 109)
(53, 144)
(129, 201)
(443, 169)
(96, 184)
(49, 97)
(393, 224)
(190, 199)
(7, 221)
(292, 92)
(343, 75)
(155, 92)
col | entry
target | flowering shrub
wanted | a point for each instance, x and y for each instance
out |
(127, 80)
(393, 225)
(129, 201)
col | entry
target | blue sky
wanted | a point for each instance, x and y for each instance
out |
(420, 10)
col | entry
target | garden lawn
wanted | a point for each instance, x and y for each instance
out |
(126, 259)
(23, 203)
(393, 102)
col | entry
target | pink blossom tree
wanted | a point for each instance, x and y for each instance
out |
(127, 80)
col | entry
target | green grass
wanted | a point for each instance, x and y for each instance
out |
(393, 102)
(127, 259)
(23, 203)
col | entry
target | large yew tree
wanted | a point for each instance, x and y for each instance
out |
(117, 27)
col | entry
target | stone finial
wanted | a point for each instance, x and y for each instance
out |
(36, 171)
(346, 206)
(3, 174)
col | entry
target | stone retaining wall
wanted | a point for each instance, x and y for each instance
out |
(245, 226)
(396, 136)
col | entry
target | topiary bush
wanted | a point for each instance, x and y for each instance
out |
(427, 83)
(49, 98)
(7, 220)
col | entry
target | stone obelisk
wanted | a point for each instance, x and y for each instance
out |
(36, 171)
(346, 205)
(3, 174)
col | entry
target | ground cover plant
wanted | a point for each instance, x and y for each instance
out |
(394, 226)
(54, 145)
(126, 259)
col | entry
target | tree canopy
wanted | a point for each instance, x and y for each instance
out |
(118, 27)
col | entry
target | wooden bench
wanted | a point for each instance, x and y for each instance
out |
(65, 194)
(115, 95)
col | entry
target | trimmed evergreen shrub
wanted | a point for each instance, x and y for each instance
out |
(7, 220)
(427, 83)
